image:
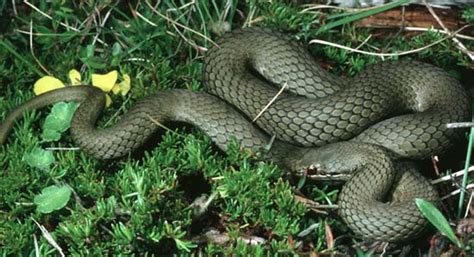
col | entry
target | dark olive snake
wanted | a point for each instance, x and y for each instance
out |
(393, 110)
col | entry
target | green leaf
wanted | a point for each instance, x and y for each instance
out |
(301, 182)
(52, 198)
(90, 51)
(50, 135)
(59, 120)
(437, 219)
(184, 245)
(39, 158)
(116, 49)
(360, 253)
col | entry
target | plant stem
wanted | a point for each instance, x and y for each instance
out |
(466, 167)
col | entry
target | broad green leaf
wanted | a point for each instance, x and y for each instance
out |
(39, 158)
(437, 219)
(52, 198)
(60, 116)
(59, 120)
(50, 135)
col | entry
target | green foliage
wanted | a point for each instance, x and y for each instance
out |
(141, 205)
(39, 158)
(437, 219)
(52, 198)
(468, 14)
(58, 121)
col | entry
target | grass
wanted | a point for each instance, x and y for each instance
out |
(142, 204)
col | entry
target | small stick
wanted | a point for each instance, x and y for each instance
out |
(270, 102)
(322, 42)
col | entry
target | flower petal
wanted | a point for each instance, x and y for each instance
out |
(108, 100)
(74, 77)
(122, 87)
(105, 81)
(45, 84)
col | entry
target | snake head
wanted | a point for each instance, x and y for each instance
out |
(328, 162)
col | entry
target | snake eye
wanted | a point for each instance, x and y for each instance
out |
(314, 169)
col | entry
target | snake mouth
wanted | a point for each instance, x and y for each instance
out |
(317, 173)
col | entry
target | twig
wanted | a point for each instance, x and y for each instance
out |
(62, 148)
(270, 102)
(180, 25)
(51, 18)
(101, 25)
(145, 19)
(460, 125)
(322, 42)
(122, 108)
(35, 241)
(457, 191)
(450, 177)
(347, 9)
(38, 34)
(458, 43)
(14, 8)
(33, 52)
(438, 31)
(159, 124)
(249, 20)
(468, 205)
(364, 42)
(49, 237)
(190, 42)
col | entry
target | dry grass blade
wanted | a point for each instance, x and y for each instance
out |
(457, 191)
(437, 31)
(270, 102)
(159, 124)
(180, 25)
(458, 43)
(450, 177)
(329, 237)
(49, 238)
(51, 18)
(33, 52)
(322, 42)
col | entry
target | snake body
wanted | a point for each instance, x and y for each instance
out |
(394, 110)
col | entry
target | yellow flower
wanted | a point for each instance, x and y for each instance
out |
(45, 84)
(106, 82)
(75, 77)
(122, 87)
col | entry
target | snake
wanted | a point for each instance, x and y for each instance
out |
(266, 90)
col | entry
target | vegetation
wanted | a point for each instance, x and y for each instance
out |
(150, 202)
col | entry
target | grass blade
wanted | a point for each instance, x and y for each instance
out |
(437, 219)
(10, 49)
(467, 162)
(360, 15)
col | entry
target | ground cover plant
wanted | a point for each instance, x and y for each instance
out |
(179, 194)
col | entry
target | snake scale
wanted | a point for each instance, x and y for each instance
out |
(322, 123)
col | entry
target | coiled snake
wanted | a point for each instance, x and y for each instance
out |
(394, 110)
